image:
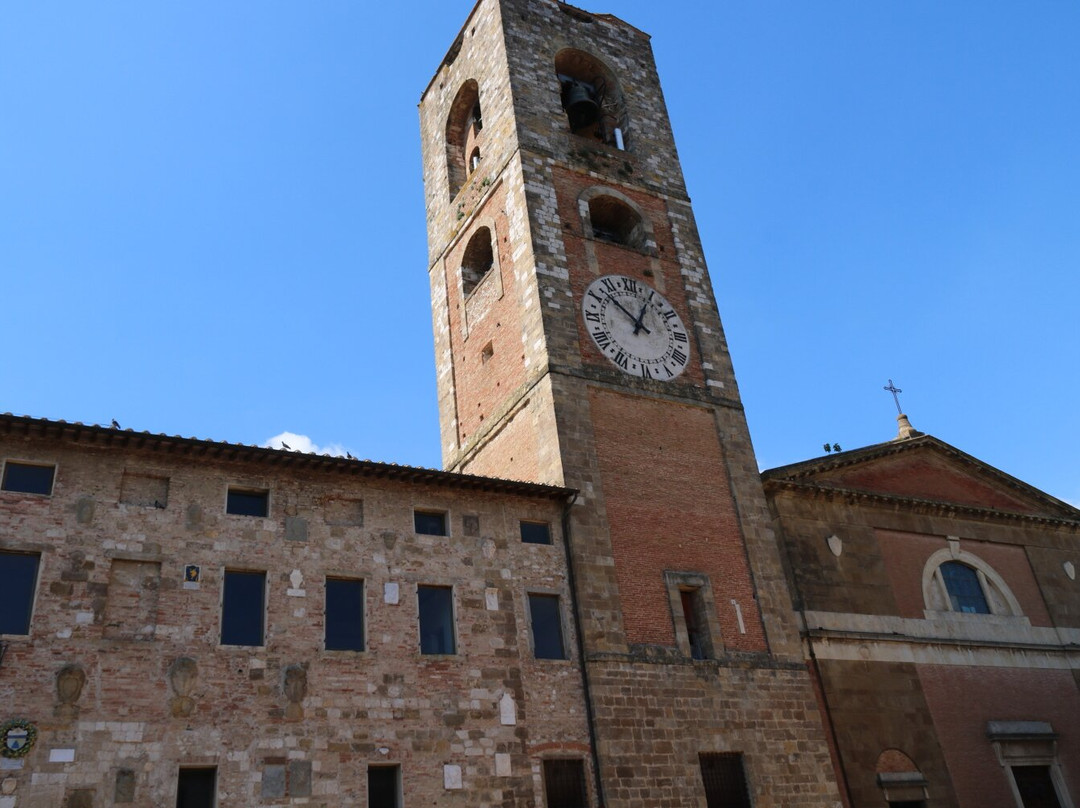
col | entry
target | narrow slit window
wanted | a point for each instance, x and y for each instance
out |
(695, 626)
(28, 478)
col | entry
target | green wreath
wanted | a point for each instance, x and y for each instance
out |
(31, 737)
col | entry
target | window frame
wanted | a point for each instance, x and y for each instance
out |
(363, 612)
(740, 761)
(560, 623)
(12, 461)
(549, 763)
(397, 781)
(937, 600)
(226, 572)
(698, 585)
(214, 786)
(32, 599)
(443, 514)
(452, 618)
(539, 523)
(244, 490)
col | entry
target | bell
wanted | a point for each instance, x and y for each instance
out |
(581, 108)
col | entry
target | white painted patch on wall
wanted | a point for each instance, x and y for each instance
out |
(738, 616)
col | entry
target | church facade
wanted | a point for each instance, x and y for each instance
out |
(598, 602)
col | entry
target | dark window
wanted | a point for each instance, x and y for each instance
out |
(383, 787)
(724, 779)
(436, 619)
(195, 788)
(546, 620)
(616, 222)
(693, 609)
(344, 615)
(248, 502)
(965, 591)
(478, 259)
(564, 784)
(1036, 787)
(908, 804)
(431, 523)
(18, 574)
(536, 532)
(28, 479)
(242, 608)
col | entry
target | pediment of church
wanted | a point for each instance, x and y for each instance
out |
(928, 469)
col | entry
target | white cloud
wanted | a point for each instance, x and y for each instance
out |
(302, 443)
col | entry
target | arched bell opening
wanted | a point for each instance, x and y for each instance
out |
(591, 98)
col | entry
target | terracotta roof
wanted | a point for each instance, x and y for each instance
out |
(107, 437)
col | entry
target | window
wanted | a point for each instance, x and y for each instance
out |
(243, 608)
(436, 619)
(1035, 786)
(536, 532)
(546, 619)
(344, 614)
(965, 592)
(28, 478)
(430, 523)
(477, 261)
(564, 783)
(18, 571)
(692, 610)
(384, 786)
(248, 502)
(196, 788)
(463, 127)
(591, 98)
(616, 222)
(724, 779)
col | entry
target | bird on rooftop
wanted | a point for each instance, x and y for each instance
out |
(349, 456)
(115, 424)
(284, 445)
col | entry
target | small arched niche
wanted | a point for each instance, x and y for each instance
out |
(591, 98)
(614, 221)
(463, 139)
(477, 261)
(898, 776)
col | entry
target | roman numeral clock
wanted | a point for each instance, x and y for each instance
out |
(635, 327)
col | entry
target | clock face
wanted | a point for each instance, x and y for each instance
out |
(636, 328)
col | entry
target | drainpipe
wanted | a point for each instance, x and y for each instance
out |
(590, 719)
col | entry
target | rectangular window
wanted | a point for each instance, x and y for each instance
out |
(546, 618)
(436, 619)
(196, 788)
(243, 608)
(564, 784)
(248, 502)
(18, 572)
(724, 779)
(384, 786)
(536, 532)
(28, 478)
(131, 600)
(1036, 786)
(692, 610)
(430, 523)
(344, 614)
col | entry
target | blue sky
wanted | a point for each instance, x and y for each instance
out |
(211, 217)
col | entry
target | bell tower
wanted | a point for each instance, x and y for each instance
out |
(578, 342)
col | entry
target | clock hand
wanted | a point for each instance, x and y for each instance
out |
(639, 322)
(628, 314)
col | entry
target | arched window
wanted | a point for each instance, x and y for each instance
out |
(615, 221)
(955, 580)
(965, 591)
(477, 261)
(463, 128)
(900, 780)
(591, 98)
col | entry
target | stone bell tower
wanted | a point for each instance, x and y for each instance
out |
(578, 342)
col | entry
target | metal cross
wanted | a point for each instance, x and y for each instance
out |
(892, 388)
